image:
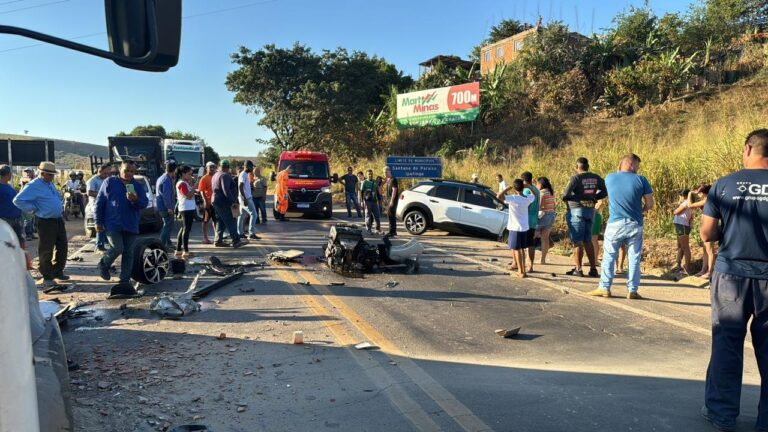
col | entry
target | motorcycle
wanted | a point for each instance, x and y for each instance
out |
(73, 203)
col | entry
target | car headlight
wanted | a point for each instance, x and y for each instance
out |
(326, 189)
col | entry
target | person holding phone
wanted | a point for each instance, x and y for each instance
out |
(118, 211)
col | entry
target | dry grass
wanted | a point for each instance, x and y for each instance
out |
(682, 145)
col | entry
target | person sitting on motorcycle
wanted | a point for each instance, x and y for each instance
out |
(73, 186)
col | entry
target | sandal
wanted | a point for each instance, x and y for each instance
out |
(574, 272)
(187, 255)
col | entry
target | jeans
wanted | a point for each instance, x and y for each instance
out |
(29, 224)
(224, 219)
(617, 233)
(165, 233)
(250, 209)
(101, 239)
(53, 235)
(182, 241)
(735, 300)
(351, 198)
(261, 207)
(392, 220)
(371, 214)
(121, 243)
(580, 221)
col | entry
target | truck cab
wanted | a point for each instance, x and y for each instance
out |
(309, 185)
(186, 152)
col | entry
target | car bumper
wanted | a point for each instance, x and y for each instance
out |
(321, 204)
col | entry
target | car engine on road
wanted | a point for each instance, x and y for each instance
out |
(348, 253)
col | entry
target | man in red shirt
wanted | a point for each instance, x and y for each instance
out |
(206, 191)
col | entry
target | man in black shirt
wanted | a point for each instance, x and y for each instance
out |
(736, 214)
(350, 192)
(581, 194)
(392, 196)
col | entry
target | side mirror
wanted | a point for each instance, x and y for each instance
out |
(273, 177)
(335, 178)
(148, 30)
(143, 34)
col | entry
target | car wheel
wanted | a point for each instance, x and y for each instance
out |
(150, 261)
(415, 222)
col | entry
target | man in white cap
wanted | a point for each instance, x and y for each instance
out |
(41, 198)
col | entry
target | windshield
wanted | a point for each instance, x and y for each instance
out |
(306, 169)
(193, 159)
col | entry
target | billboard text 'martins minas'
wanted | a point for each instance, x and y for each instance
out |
(440, 106)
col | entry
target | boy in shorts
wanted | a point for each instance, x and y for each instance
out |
(517, 224)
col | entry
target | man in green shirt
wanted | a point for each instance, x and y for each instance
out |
(370, 192)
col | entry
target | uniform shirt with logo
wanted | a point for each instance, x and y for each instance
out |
(740, 202)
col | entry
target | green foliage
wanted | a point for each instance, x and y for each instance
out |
(148, 130)
(443, 76)
(210, 155)
(652, 80)
(181, 135)
(564, 93)
(553, 50)
(500, 93)
(157, 130)
(310, 101)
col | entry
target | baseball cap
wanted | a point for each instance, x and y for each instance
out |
(210, 164)
(474, 175)
(248, 164)
(170, 164)
(224, 163)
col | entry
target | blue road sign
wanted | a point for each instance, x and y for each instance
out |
(415, 167)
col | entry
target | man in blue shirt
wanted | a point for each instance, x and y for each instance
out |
(165, 201)
(41, 198)
(118, 211)
(9, 212)
(92, 189)
(629, 197)
(736, 214)
(225, 200)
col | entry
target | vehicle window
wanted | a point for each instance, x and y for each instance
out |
(478, 198)
(306, 169)
(422, 188)
(447, 192)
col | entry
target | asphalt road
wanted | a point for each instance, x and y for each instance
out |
(577, 365)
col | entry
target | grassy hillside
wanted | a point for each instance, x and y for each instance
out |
(681, 144)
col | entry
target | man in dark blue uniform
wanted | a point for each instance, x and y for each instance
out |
(736, 214)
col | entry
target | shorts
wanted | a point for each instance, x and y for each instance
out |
(597, 224)
(580, 221)
(518, 240)
(546, 221)
(682, 230)
(15, 224)
(210, 214)
(530, 239)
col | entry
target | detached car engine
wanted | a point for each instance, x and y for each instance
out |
(348, 253)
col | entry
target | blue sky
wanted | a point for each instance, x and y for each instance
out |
(54, 92)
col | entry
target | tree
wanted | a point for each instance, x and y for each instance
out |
(180, 135)
(506, 28)
(312, 101)
(210, 155)
(552, 50)
(159, 131)
(148, 130)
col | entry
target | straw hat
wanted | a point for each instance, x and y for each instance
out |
(48, 168)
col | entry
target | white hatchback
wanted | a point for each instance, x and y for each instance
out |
(454, 206)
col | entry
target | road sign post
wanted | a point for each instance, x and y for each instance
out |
(415, 167)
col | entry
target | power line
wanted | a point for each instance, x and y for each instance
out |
(31, 7)
(103, 33)
(12, 1)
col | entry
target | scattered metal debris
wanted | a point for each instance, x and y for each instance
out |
(392, 284)
(173, 308)
(198, 293)
(365, 346)
(507, 333)
(350, 254)
(58, 287)
(285, 256)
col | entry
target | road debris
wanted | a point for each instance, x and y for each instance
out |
(298, 337)
(507, 333)
(221, 336)
(285, 256)
(336, 284)
(173, 308)
(392, 284)
(307, 283)
(365, 346)
(199, 293)
(192, 428)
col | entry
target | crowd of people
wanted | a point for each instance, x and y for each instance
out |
(377, 196)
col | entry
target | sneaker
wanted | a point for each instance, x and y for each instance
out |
(62, 277)
(593, 273)
(221, 244)
(725, 427)
(634, 296)
(574, 272)
(239, 243)
(599, 292)
(254, 237)
(104, 272)
(101, 248)
(48, 283)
